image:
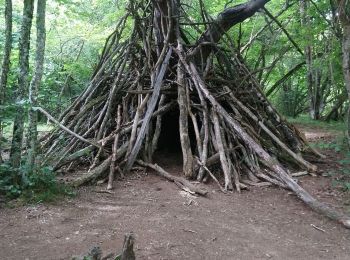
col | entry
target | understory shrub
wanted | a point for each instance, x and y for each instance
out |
(38, 185)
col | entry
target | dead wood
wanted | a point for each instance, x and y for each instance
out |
(178, 180)
(128, 248)
(93, 174)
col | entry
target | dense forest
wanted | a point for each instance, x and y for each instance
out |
(93, 86)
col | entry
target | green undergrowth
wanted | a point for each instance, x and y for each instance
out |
(337, 143)
(306, 121)
(36, 186)
(24, 185)
(341, 176)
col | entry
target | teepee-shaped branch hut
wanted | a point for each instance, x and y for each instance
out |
(150, 71)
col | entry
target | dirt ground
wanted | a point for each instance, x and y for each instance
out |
(262, 223)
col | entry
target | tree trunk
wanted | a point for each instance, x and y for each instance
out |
(344, 15)
(346, 66)
(334, 113)
(23, 83)
(310, 79)
(33, 88)
(6, 59)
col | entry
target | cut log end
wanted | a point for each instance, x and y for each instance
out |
(345, 223)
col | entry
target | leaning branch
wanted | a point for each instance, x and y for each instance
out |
(64, 128)
(284, 30)
(182, 182)
(284, 78)
(225, 20)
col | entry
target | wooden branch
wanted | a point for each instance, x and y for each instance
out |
(221, 151)
(224, 21)
(150, 108)
(65, 128)
(295, 156)
(114, 151)
(94, 173)
(284, 30)
(128, 248)
(251, 40)
(285, 77)
(265, 157)
(137, 116)
(157, 130)
(183, 123)
(172, 178)
(211, 175)
(205, 126)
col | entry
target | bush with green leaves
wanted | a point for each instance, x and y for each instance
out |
(39, 185)
(291, 100)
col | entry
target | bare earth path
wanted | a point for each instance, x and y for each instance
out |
(264, 223)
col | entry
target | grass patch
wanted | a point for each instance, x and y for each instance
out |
(337, 143)
(306, 121)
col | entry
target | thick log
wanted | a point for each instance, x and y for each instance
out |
(183, 125)
(221, 151)
(94, 173)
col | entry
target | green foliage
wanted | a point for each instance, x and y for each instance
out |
(291, 99)
(343, 181)
(76, 31)
(332, 145)
(39, 185)
(306, 121)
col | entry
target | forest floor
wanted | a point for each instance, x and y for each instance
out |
(262, 223)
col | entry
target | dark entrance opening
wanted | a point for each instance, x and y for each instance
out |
(169, 144)
(169, 139)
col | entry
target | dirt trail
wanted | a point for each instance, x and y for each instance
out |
(264, 223)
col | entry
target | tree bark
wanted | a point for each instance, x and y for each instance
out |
(344, 15)
(334, 113)
(224, 21)
(23, 83)
(310, 79)
(183, 124)
(128, 248)
(36, 81)
(6, 59)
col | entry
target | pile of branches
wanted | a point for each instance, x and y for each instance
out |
(148, 68)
